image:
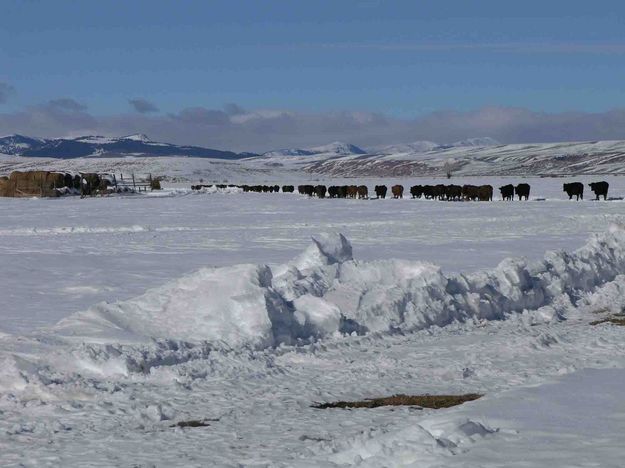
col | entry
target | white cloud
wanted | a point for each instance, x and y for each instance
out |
(259, 130)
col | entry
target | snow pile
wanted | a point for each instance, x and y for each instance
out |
(324, 292)
(400, 295)
(218, 305)
(321, 294)
(216, 189)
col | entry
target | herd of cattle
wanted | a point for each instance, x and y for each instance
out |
(430, 192)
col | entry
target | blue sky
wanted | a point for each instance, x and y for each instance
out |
(404, 59)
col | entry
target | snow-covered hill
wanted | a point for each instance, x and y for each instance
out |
(419, 159)
(479, 141)
(568, 158)
(18, 144)
(102, 146)
(336, 148)
(414, 147)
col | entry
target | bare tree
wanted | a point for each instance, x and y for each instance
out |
(448, 168)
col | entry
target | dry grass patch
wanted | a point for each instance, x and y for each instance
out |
(191, 423)
(423, 401)
(618, 320)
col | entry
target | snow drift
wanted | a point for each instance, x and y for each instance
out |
(324, 292)
(321, 294)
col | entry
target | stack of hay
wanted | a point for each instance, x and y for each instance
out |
(36, 184)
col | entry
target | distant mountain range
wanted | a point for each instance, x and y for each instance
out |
(140, 145)
(473, 157)
(338, 148)
(105, 147)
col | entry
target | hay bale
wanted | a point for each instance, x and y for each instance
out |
(4, 186)
(33, 184)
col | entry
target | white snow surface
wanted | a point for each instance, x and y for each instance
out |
(324, 292)
(125, 315)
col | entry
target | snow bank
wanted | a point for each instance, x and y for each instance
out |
(324, 292)
(216, 189)
(214, 304)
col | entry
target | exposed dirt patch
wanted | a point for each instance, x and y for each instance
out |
(618, 320)
(191, 423)
(424, 401)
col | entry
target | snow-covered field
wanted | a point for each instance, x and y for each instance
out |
(237, 310)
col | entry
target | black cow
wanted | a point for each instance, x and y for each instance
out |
(320, 191)
(485, 193)
(440, 191)
(380, 191)
(469, 192)
(522, 190)
(416, 191)
(333, 191)
(306, 190)
(600, 188)
(574, 189)
(288, 189)
(429, 191)
(507, 192)
(453, 192)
